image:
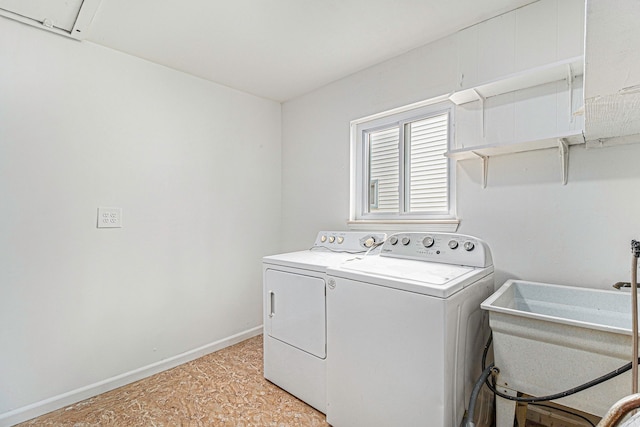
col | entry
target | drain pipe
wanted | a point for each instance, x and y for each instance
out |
(467, 421)
(635, 250)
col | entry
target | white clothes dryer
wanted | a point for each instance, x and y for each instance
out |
(405, 331)
(295, 347)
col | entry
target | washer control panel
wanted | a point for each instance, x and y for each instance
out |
(445, 248)
(349, 241)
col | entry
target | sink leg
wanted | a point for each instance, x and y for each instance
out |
(521, 414)
(506, 409)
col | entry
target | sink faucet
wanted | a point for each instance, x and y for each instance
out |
(620, 285)
(635, 249)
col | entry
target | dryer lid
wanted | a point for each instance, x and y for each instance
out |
(316, 260)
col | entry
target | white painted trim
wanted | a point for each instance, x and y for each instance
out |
(42, 407)
(402, 109)
(613, 141)
(358, 164)
(355, 171)
(444, 225)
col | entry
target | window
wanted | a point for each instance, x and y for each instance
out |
(399, 168)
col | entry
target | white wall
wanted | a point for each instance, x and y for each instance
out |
(578, 234)
(82, 126)
(196, 168)
(315, 134)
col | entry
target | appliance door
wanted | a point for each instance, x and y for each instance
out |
(296, 315)
(387, 363)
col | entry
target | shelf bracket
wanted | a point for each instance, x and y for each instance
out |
(569, 75)
(485, 168)
(563, 146)
(570, 84)
(481, 99)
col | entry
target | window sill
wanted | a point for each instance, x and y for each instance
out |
(442, 225)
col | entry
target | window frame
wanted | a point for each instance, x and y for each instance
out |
(398, 117)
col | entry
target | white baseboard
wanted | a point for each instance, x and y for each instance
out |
(42, 407)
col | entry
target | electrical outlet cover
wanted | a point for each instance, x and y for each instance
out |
(109, 217)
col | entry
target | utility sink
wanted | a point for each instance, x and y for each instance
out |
(589, 308)
(550, 338)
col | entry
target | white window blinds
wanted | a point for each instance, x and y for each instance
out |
(428, 189)
(384, 170)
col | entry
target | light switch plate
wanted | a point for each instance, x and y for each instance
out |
(109, 217)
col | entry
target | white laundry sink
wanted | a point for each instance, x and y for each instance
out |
(550, 338)
(590, 308)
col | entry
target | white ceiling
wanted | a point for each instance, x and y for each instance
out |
(280, 49)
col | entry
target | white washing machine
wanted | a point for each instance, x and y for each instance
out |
(295, 349)
(405, 331)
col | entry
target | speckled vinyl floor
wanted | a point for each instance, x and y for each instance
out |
(225, 388)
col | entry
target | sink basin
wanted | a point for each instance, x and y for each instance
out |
(549, 338)
(589, 308)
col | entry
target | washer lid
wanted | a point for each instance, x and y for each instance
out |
(428, 278)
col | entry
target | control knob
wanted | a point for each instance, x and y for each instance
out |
(332, 239)
(393, 240)
(428, 241)
(369, 242)
(406, 241)
(323, 239)
(453, 244)
(340, 239)
(468, 246)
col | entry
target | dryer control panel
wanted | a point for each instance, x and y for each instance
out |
(447, 248)
(349, 241)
